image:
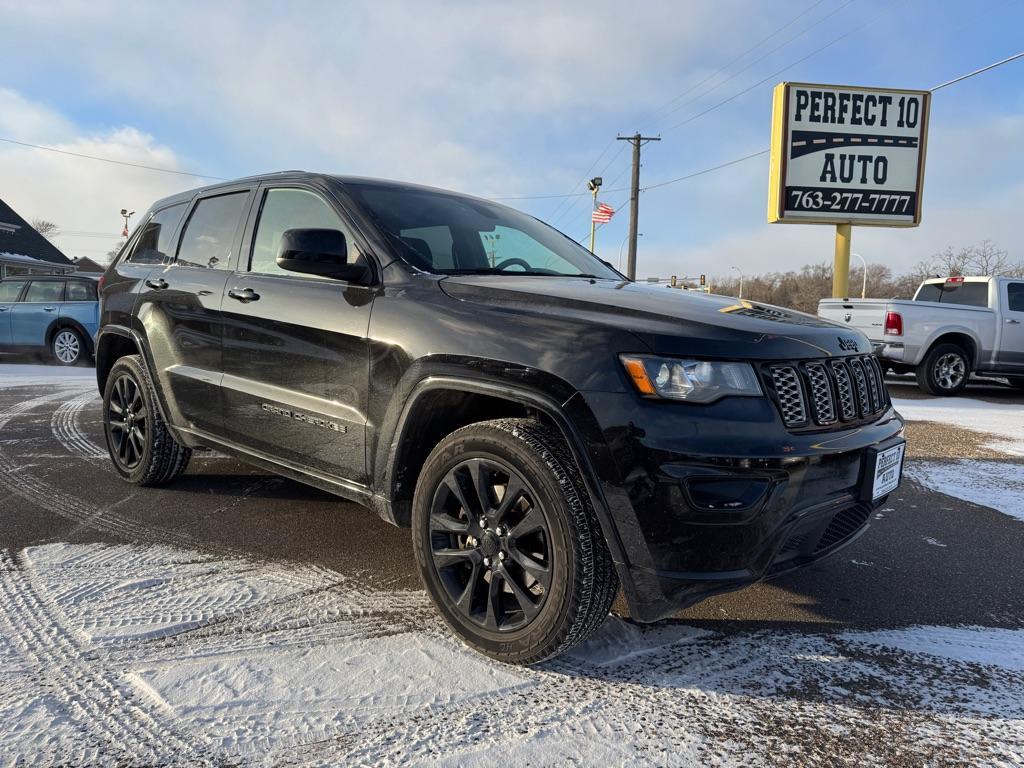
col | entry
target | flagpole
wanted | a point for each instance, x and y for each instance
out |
(593, 224)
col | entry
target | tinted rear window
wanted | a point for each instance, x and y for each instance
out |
(79, 290)
(210, 231)
(1015, 297)
(967, 294)
(154, 243)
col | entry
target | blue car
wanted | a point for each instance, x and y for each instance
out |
(55, 313)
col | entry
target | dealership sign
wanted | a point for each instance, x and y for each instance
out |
(847, 155)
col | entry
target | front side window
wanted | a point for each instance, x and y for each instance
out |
(210, 231)
(41, 291)
(79, 290)
(154, 243)
(10, 291)
(285, 209)
(451, 234)
(1015, 297)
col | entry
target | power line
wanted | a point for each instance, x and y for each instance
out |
(559, 213)
(761, 58)
(706, 170)
(969, 75)
(111, 160)
(778, 72)
(721, 70)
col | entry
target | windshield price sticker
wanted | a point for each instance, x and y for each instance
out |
(847, 155)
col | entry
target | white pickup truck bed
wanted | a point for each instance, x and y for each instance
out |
(951, 328)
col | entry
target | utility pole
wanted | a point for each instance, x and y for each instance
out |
(634, 199)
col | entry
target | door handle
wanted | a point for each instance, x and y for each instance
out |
(4, 309)
(159, 284)
(1011, 321)
(49, 309)
(244, 296)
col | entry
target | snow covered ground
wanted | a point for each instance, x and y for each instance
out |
(170, 651)
(23, 375)
(152, 654)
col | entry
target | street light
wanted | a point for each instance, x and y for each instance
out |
(741, 281)
(864, 283)
(623, 245)
(127, 215)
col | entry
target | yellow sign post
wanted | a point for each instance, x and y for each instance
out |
(847, 155)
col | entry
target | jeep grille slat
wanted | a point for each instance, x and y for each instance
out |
(790, 395)
(823, 393)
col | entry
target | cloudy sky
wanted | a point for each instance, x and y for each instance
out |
(506, 99)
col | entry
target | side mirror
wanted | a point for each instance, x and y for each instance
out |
(319, 252)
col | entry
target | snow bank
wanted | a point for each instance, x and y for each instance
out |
(995, 484)
(1006, 421)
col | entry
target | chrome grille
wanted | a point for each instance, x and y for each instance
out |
(790, 394)
(822, 393)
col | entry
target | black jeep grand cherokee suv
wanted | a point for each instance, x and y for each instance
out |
(547, 428)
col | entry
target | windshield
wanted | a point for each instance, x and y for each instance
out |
(449, 234)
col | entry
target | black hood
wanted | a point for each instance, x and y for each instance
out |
(667, 320)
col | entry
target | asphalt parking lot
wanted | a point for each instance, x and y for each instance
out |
(238, 616)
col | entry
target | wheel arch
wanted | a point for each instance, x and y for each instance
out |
(963, 338)
(418, 425)
(113, 343)
(60, 323)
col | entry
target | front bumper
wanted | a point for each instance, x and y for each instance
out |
(708, 499)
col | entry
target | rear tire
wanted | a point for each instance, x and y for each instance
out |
(141, 447)
(507, 542)
(944, 370)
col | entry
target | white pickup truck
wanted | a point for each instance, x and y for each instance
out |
(952, 327)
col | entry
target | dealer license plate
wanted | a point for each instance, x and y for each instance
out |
(888, 470)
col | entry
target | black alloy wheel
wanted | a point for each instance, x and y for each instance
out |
(491, 544)
(508, 543)
(127, 422)
(142, 448)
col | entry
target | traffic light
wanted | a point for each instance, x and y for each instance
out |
(703, 280)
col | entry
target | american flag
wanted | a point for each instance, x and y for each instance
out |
(602, 214)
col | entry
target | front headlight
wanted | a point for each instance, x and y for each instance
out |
(695, 381)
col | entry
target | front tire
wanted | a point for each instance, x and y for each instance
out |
(507, 542)
(141, 447)
(944, 370)
(67, 347)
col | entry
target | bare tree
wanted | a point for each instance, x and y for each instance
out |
(45, 228)
(112, 253)
(983, 259)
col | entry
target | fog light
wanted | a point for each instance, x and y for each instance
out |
(725, 494)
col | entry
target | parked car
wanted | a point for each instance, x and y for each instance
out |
(953, 327)
(49, 313)
(548, 429)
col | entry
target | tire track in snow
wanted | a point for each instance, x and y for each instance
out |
(65, 424)
(20, 482)
(110, 717)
